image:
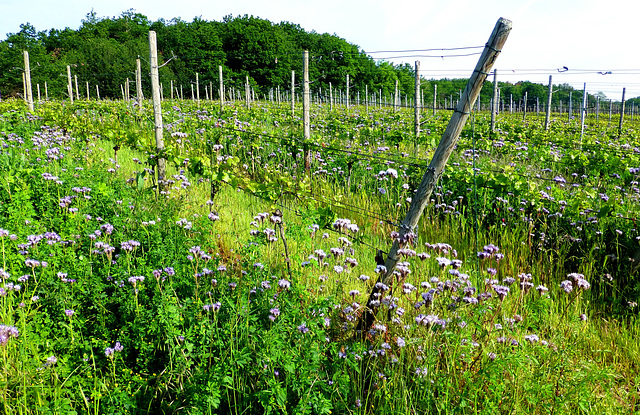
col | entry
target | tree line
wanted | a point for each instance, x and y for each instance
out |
(103, 51)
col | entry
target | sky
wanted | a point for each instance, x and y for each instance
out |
(585, 36)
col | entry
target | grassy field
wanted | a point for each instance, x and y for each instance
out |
(236, 285)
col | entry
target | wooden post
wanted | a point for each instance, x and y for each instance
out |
(198, 88)
(597, 107)
(293, 93)
(524, 106)
(583, 110)
(416, 116)
(624, 90)
(305, 109)
(610, 110)
(435, 98)
(181, 92)
(537, 106)
(347, 93)
(330, 97)
(171, 86)
(247, 92)
(27, 75)
(69, 87)
(445, 148)
(157, 109)
(139, 84)
(221, 88)
(97, 92)
(366, 98)
(127, 91)
(87, 90)
(547, 118)
(494, 101)
(396, 98)
(38, 87)
(122, 91)
(570, 103)
(193, 97)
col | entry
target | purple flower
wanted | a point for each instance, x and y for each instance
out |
(69, 313)
(284, 284)
(303, 328)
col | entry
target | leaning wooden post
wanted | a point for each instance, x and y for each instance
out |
(547, 118)
(624, 90)
(416, 115)
(407, 230)
(27, 76)
(157, 109)
(75, 78)
(494, 101)
(139, 84)
(305, 109)
(69, 87)
(97, 93)
(293, 93)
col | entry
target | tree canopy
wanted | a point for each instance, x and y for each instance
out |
(103, 51)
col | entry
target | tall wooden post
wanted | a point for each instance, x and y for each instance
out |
(396, 98)
(293, 93)
(330, 97)
(38, 88)
(221, 88)
(305, 108)
(524, 106)
(97, 92)
(570, 103)
(69, 87)
(366, 98)
(547, 118)
(139, 84)
(347, 93)
(445, 148)
(416, 116)
(247, 91)
(87, 90)
(624, 90)
(75, 78)
(157, 110)
(435, 98)
(583, 110)
(198, 88)
(171, 86)
(27, 75)
(597, 107)
(494, 101)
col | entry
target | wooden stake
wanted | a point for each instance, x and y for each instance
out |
(293, 93)
(88, 97)
(139, 84)
(157, 109)
(75, 77)
(69, 87)
(27, 75)
(38, 87)
(547, 118)
(416, 115)
(435, 98)
(583, 110)
(445, 148)
(494, 101)
(97, 93)
(221, 89)
(305, 108)
(624, 90)
(198, 88)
